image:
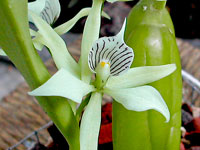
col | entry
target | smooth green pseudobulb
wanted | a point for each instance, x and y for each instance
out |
(16, 41)
(151, 35)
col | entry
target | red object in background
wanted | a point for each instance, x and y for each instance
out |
(196, 124)
(191, 140)
(105, 135)
(182, 146)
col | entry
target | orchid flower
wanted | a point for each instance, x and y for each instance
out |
(48, 10)
(109, 59)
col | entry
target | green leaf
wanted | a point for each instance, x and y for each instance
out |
(140, 99)
(140, 75)
(16, 41)
(69, 24)
(56, 45)
(48, 10)
(90, 123)
(37, 45)
(64, 84)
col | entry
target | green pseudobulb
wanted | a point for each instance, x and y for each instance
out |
(150, 33)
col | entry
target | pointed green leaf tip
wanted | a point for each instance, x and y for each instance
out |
(64, 84)
(48, 10)
(140, 99)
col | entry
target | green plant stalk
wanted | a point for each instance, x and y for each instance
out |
(16, 41)
(150, 33)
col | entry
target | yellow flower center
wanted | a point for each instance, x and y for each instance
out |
(103, 63)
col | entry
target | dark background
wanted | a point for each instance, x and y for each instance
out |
(185, 15)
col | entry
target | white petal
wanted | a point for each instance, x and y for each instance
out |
(140, 75)
(48, 10)
(64, 84)
(140, 99)
(2, 52)
(112, 50)
(56, 45)
(69, 24)
(90, 123)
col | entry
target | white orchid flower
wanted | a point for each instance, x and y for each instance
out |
(48, 10)
(110, 59)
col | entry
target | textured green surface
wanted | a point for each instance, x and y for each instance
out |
(151, 34)
(16, 41)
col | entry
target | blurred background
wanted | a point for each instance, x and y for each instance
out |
(21, 116)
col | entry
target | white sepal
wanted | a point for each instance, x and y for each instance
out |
(65, 27)
(56, 45)
(140, 99)
(90, 123)
(112, 50)
(64, 84)
(48, 10)
(90, 35)
(140, 76)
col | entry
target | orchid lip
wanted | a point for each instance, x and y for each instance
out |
(112, 50)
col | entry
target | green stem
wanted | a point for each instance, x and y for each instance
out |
(16, 41)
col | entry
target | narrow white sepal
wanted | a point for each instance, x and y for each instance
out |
(140, 76)
(56, 45)
(64, 84)
(90, 35)
(140, 99)
(48, 10)
(112, 50)
(90, 123)
(65, 27)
